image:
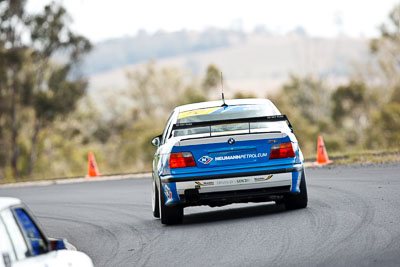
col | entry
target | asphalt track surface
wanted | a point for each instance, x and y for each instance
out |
(352, 219)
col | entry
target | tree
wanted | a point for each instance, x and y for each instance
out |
(384, 130)
(241, 95)
(351, 106)
(57, 94)
(155, 91)
(385, 125)
(12, 54)
(349, 101)
(386, 48)
(29, 80)
(306, 102)
(309, 96)
(212, 79)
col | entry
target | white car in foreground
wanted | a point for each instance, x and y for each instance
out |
(23, 243)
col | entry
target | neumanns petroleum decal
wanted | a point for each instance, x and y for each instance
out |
(243, 156)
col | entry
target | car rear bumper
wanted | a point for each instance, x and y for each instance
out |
(236, 183)
(262, 194)
(246, 183)
(247, 172)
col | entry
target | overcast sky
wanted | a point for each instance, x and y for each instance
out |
(104, 19)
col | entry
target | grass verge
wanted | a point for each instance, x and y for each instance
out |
(363, 157)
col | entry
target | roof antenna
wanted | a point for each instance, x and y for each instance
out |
(223, 97)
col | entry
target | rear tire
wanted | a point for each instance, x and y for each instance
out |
(298, 201)
(169, 215)
(154, 201)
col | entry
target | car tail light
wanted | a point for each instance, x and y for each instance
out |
(281, 151)
(181, 160)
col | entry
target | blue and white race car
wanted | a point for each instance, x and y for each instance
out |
(211, 154)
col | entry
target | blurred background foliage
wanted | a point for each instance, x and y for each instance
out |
(48, 123)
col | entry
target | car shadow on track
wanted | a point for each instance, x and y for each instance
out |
(232, 214)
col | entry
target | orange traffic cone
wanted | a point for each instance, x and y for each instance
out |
(322, 155)
(93, 170)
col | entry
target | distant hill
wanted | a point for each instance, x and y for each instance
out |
(253, 62)
(118, 52)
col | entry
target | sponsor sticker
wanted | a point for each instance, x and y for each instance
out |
(167, 192)
(243, 156)
(205, 159)
(204, 183)
(261, 179)
(225, 182)
(234, 181)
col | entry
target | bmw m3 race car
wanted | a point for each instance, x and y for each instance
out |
(211, 154)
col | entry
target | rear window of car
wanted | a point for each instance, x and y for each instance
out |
(229, 113)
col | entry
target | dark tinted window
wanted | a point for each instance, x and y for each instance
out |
(227, 113)
(32, 232)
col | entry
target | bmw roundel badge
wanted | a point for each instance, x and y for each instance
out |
(231, 141)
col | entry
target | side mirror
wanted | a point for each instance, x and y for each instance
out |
(57, 244)
(156, 141)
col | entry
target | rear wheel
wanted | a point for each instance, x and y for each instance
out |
(154, 201)
(298, 201)
(169, 215)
